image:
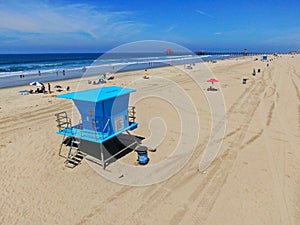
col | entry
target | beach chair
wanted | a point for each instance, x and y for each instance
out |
(212, 89)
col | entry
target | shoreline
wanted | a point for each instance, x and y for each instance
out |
(94, 70)
(119, 73)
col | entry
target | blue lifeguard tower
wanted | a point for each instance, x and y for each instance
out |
(104, 115)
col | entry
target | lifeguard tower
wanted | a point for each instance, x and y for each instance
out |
(104, 115)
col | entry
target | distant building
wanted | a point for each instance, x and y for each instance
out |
(293, 52)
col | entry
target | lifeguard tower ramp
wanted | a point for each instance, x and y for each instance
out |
(104, 115)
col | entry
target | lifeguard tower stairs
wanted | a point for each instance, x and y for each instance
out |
(105, 114)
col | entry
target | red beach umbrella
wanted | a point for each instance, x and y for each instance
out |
(212, 80)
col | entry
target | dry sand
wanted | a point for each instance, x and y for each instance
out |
(255, 178)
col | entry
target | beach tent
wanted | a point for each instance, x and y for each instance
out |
(264, 57)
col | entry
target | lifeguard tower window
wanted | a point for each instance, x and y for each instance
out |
(119, 123)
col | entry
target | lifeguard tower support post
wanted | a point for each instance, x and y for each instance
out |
(104, 114)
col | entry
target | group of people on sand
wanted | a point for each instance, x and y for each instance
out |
(41, 90)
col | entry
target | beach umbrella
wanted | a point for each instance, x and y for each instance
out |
(36, 83)
(212, 80)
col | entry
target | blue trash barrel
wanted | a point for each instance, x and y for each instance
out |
(142, 152)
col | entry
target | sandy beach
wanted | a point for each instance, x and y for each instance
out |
(255, 178)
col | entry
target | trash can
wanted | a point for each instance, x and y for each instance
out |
(142, 152)
(244, 81)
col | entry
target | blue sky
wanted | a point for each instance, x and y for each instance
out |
(36, 26)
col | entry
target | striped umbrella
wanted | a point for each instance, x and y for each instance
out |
(36, 83)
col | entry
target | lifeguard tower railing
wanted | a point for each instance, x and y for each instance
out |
(105, 114)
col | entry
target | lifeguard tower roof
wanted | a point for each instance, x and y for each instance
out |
(97, 94)
(104, 113)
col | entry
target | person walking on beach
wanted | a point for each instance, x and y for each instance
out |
(40, 73)
(49, 88)
(64, 72)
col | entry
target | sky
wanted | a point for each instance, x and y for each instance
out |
(67, 26)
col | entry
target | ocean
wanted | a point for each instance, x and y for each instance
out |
(20, 69)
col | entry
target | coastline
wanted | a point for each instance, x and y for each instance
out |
(97, 68)
(93, 76)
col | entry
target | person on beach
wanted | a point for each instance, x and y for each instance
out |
(64, 72)
(43, 89)
(57, 73)
(49, 88)
(40, 73)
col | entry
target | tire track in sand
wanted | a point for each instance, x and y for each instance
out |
(211, 184)
(297, 91)
(19, 121)
(277, 178)
(220, 168)
(270, 114)
(218, 172)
